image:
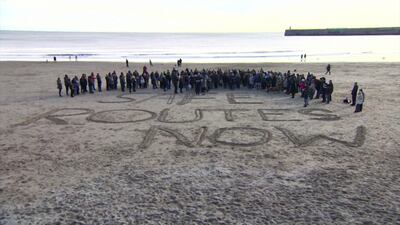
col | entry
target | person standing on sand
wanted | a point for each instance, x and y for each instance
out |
(72, 86)
(122, 81)
(360, 101)
(163, 82)
(76, 58)
(108, 82)
(127, 63)
(181, 82)
(98, 78)
(305, 57)
(134, 82)
(354, 94)
(91, 80)
(153, 79)
(292, 86)
(324, 88)
(168, 78)
(328, 69)
(55, 59)
(301, 58)
(115, 80)
(174, 78)
(318, 87)
(197, 83)
(83, 83)
(312, 88)
(129, 81)
(306, 94)
(59, 86)
(67, 83)
(76, 86)
(329, 92)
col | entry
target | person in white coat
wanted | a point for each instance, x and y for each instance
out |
(360, 101)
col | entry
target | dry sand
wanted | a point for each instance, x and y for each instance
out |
(228, 167)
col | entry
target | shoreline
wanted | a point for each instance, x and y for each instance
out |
(205, 63)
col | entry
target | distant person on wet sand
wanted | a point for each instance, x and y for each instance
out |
(55, 59)
(305, 57)
(127, 63)
(328, 69)
(360, 101)
(301, 58)
(59, 86)
(151, 63)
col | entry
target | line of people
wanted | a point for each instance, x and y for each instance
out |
(201, 81)
(75, 86)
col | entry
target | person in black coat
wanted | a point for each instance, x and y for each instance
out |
(59, 86)
(318, 87)
(163, 82)
(197, 84)
(292, 86)
(129, 81)
(306, 94)
(181, 82)
(174, 78)
(67, 83)
(83, 82)
(115, 80)
(98, 78)
(354, 94)
(108, 81)
(324, 88)
(328, 69)
(122, 81)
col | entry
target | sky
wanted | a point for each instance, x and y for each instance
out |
(195, 15)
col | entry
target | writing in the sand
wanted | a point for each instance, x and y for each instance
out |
(106, 116)
(256, 136)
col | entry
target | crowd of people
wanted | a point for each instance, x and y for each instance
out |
(308, 86)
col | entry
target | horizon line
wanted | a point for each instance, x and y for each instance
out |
(193, 32)
(142, 32)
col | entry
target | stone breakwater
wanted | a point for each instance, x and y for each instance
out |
(344, 31)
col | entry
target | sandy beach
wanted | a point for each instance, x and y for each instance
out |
(229, 157)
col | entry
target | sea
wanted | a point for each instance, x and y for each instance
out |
(195, 47)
